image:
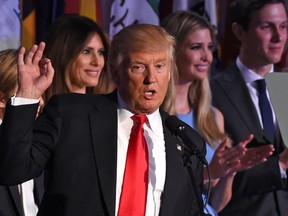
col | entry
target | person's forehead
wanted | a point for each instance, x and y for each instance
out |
(149, 55)
(274, 13)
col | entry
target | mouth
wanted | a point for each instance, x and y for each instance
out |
(202, 68)
(92, 73)
(149, 94)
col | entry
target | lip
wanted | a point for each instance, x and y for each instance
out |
(202, 68)
(149, 94)
(276, 48)
(92, 72)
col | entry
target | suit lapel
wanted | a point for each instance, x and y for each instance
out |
(103, 120)
(174, 171)
(16, 199)
(237, 92)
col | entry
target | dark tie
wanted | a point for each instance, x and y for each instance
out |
(135, 181)
(266, 111)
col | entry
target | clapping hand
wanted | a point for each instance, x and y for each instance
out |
(228, 160)
(35, 74)
(254, 156)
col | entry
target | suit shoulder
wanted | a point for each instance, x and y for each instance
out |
(76, 99)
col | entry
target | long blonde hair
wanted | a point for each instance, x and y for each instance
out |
(179, 25)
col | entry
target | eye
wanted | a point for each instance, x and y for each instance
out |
(86, 51)
(101, 52)
(210, 46)
(195, 47)
(284, 26)
(160, 67)
(138, 68)
(265, 26)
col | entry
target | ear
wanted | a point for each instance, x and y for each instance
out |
(238, 31)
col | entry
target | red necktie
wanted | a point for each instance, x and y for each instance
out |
(135, 181)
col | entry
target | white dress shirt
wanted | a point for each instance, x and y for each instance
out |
(153, 132)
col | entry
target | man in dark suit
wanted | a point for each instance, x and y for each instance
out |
(261, 28)
(81, 140)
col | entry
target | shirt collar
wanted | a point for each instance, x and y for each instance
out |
(124, 114)
(249, 75)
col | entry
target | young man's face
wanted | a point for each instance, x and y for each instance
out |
(264, 41)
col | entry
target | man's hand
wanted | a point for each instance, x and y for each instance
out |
(34, 73)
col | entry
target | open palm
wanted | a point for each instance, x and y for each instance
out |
(35, 74)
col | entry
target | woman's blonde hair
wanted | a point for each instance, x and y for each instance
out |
(179, 25)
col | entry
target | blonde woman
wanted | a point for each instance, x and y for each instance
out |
(192, 104)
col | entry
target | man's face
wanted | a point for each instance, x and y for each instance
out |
(143, 82)
(264, 41)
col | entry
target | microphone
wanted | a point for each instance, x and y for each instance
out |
(177, 128)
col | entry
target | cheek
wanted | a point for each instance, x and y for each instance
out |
(210, 57)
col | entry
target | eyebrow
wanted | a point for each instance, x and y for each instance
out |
(138, 61)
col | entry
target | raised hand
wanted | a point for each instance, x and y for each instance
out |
(34, 73)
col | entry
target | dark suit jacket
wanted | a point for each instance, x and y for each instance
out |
(260, 190)
(10, 200)
(75, 140)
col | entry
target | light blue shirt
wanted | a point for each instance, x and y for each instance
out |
(189, 119)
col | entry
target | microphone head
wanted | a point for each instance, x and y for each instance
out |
(174, 124)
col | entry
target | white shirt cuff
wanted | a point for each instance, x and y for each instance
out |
(17, 101)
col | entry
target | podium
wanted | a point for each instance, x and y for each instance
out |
(277, 84)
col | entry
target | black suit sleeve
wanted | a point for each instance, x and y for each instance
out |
(24, 152)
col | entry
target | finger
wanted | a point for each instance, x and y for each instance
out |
(21, 56)
(247, 140)
(260, 150)
(39, 53)
(29, 57)
(223, 145)
(50, 71)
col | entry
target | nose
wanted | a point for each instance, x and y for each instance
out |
(94, 59)
(150, 75)
(279, 34)
(206, 55)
